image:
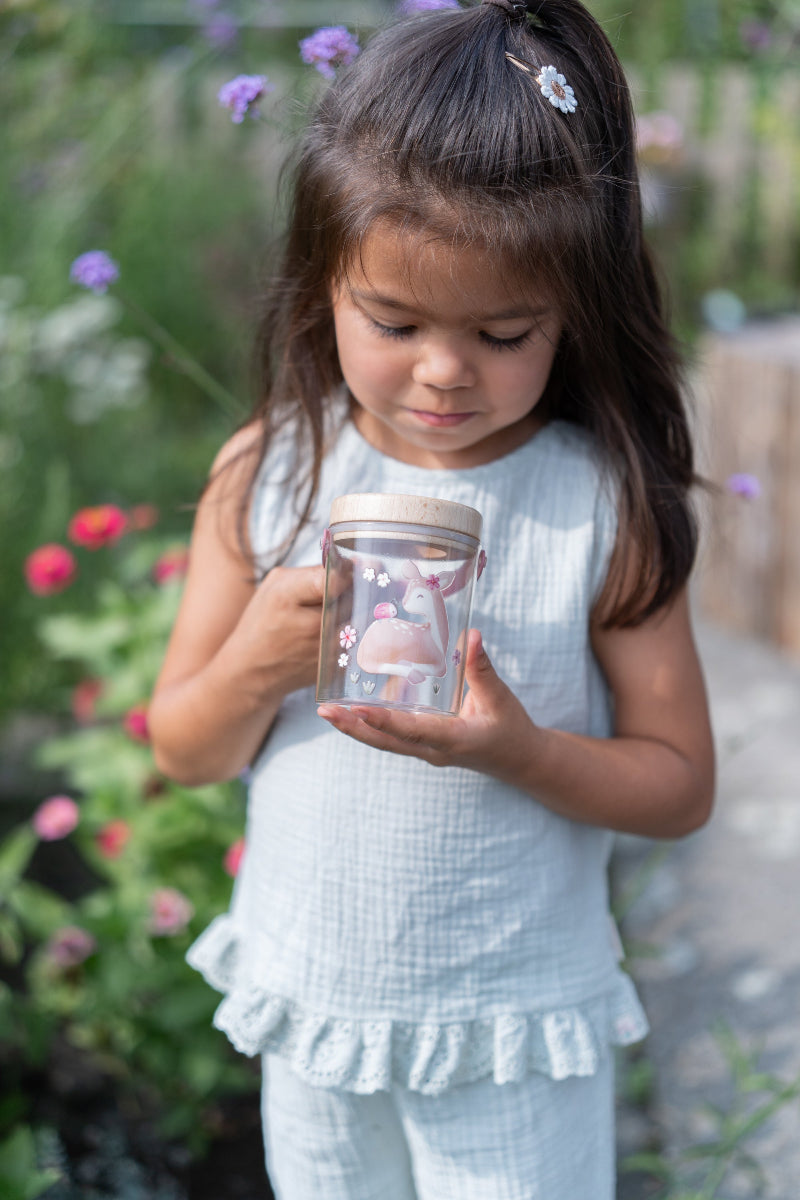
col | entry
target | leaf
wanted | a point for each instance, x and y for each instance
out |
(84, 638)
(20, 1177)
(10, 939)
(39, 910)
(15, 853)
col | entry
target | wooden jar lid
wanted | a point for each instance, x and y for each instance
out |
(407, 510)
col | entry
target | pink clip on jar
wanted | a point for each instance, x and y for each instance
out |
(398, 594)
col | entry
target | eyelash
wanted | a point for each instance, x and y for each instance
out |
(499, 344)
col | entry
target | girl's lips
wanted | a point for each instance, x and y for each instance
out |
(441, 419)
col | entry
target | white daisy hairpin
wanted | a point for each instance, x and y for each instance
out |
(552, 84)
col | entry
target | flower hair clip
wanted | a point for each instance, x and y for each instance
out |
(552, 84)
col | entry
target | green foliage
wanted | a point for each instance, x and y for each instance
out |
(126, 998)
(701, 1170)
(20, 1177)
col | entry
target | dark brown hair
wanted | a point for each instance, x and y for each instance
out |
(436, 130)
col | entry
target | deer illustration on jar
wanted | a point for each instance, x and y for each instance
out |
(417, 649)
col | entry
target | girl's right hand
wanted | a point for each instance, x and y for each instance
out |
(278, 632)
(236, 649)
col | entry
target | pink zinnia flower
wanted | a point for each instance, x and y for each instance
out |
(112, 838)
(135, 723)
(172, 564)
(95, 527)
(329, 47)
(233, 857)
(55, 818)
(70, 946)
(142, 516)
(84, 696)
(49, 569)
(170, 912)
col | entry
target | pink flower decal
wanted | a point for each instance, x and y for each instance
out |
(112, 838)
(135, 723)
(348, 637)
(84, 697)
(170, 912)
(56, 818)
(70, 946)
(433, 583)
(744, 485)
(173, 564)
(49, 569)
(325, 546)
(481, 563)
(233, 857)
(96, 527)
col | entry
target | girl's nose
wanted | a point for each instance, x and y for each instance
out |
(443, 364)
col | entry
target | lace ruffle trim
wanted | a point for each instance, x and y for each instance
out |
(368, 1056)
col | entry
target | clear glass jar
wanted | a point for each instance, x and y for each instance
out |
(400, 572)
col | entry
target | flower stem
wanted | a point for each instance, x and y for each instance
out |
(184, 360)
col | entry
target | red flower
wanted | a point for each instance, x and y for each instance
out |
(49, 569)
(112, 838)
(135, 723)
(171, 565)
(233, 857)
(56, 818)
(95, 527)
(142, 516)
(84, 696)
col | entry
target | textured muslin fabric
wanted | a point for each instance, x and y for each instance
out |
(539, 1139)
(396, 923)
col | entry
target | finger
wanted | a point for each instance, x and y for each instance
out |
(412, 728)
(354, 726)
(305, 585)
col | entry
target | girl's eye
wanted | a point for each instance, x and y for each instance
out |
(513, 343)
(391, 331)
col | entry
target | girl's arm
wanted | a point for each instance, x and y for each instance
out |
(236, 649)
(654, 777)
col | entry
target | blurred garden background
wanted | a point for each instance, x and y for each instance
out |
(112, 405)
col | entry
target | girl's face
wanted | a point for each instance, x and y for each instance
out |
(445, 362)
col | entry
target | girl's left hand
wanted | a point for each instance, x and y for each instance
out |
(492, 734)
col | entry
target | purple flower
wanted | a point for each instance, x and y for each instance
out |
(70, 946)
(744, 485)
(221, 30)
(407, 7)
(242, 94)
(94, 270)
(755, 35)
(329, 47)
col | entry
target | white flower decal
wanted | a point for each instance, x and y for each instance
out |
(383, 579)
(348, 637)
(368, 573)
(555, 88)
(344, 659)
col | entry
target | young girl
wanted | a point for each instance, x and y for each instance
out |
(419, 943)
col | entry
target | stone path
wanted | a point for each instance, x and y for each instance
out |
(718, 919)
